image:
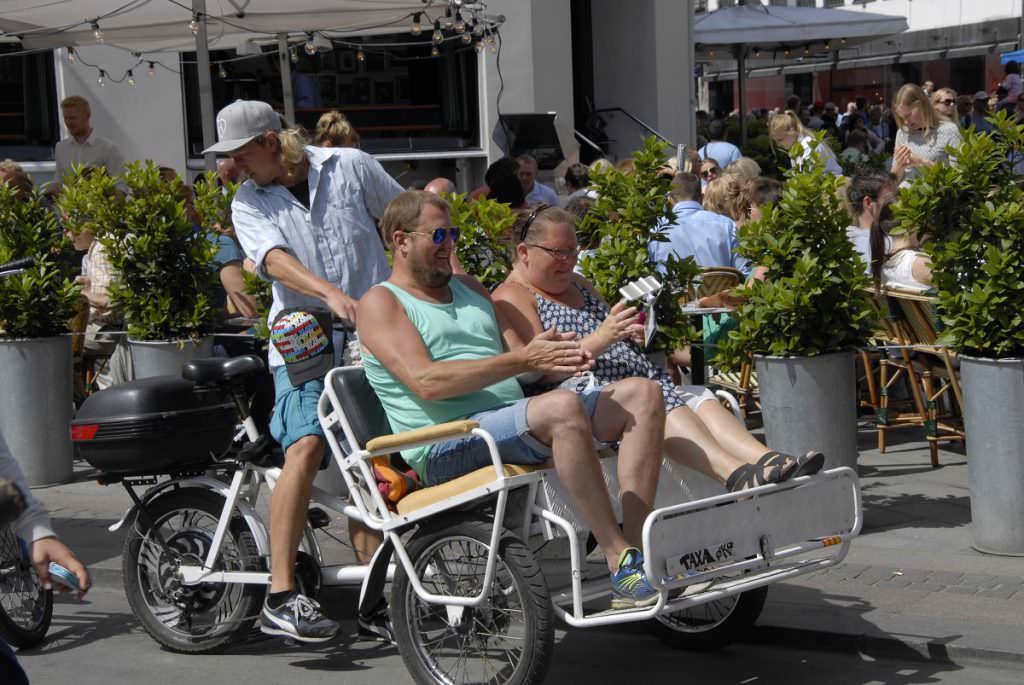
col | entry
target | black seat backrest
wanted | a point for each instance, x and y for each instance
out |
(363, 409)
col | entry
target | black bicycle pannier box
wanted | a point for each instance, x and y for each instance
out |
(153, 425)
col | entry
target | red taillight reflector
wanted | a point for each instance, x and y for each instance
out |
(86, 431)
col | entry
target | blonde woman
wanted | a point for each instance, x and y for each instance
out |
(787, 132)
(923, 135)
(744, 169)
(724, 195)
(334, 130)
(944, 102)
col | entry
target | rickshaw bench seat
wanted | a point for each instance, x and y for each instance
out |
(424, 497)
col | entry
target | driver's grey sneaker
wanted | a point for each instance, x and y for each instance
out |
(299, 618)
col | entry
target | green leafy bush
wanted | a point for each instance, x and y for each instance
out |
(814, 299)
(213, 203)
(164, 275)
(973, 215)
(39, 302)
(632, 210)
(484, 245)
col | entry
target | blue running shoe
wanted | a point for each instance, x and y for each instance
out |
(630, 588)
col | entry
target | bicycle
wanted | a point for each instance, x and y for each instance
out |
(26, 608)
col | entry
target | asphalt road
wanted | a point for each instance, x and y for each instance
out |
(99, 641)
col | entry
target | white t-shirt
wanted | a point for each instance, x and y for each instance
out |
(898, 271)
(95, 151)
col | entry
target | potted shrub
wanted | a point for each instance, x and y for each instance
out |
(632, 210)
(36, 308)
(973, 215)
(163, 263)
(484, 246)
(803, 323)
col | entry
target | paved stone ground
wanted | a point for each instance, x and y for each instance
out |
(911, 583)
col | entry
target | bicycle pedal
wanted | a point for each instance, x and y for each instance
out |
(318, 518)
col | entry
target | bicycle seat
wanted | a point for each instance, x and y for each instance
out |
(216, 370)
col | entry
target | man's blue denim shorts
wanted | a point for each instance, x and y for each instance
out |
(511, 432)
(294, 414)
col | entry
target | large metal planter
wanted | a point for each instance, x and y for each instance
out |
(994, 425)
(36, 404)
(810, 403)
(166, 357)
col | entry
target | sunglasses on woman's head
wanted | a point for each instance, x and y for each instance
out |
(439, 234)
(530, 219)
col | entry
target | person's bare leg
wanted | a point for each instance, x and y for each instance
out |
(688, 441)
(730, 433)
(365, 541)
(289, 504)
(557, 418)
(632, 411)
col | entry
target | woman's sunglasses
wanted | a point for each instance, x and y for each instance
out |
(439, 234)
(525, 228)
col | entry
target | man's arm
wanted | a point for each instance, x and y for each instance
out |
(388, 334)
(283, 267)
(379, 188)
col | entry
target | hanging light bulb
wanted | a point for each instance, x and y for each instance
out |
(294, 55)
(360, 56)
(438, 36)
(478, 30)
(460, 25)
(807, 50)
(494, 47)
(491, 41)
(193, 25)
(786, 52)
(222, 72)
(131, 78)
(828, 46)
(96, 32)
(151, 70)
(448, 21)
(102, 79)
(71, 55)
(479, 46)
(310, 45)
(434, 52)
(417, 28)
(467, 38)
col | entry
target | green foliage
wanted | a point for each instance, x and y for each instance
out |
(973, 213)
(40, 301)
(632, 210)
(262, 292)
(814, 300)
(484, 245)
(163, 264)
(213, 203)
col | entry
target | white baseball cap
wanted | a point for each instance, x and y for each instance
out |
(240, 122)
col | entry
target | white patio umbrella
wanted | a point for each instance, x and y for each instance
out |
(750, 24)
(182, 25)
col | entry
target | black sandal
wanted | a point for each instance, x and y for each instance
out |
(782, 466)
(809, 464)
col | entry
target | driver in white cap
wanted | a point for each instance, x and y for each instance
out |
(305, 217)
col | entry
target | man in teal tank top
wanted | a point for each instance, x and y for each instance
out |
(434, 351)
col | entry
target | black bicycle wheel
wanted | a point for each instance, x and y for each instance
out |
(509, 638)
(710, 626)
(25, 607)
(190, 618)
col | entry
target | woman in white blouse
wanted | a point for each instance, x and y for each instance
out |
(786, 131)
(923, 136)
(895, 260)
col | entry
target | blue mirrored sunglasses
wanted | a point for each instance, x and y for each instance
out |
(439, 234)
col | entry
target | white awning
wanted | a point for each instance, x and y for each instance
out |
(162, 25)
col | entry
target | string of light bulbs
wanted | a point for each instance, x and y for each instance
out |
(479, 33)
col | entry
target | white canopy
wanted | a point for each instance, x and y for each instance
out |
(770, 26)
(163, 25)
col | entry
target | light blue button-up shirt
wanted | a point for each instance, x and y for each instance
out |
(542, 193)
(335, 239)
(707, 237)
(721, 151)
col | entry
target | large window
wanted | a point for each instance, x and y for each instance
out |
(28, 105)
(399, 99)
